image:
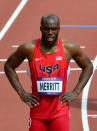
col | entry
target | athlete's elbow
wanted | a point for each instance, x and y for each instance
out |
(90, 68)
(6, 68)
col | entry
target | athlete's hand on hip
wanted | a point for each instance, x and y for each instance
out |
(67, 97)
(30, 99)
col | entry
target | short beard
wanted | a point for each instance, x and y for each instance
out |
(49, 44)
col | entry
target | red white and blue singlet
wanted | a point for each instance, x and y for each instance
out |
(48, 76)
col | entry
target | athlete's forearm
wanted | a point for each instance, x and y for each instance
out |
(83, 79)
(13, 78)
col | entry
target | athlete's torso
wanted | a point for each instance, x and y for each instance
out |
(48, 75)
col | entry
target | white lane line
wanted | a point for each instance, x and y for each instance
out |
(71, 61)
(3, 60)
(15, 46)
(23, 71)
(77, 69)
(71, 69)
(85, 98)
(12, 18)
(82, 47)
(93, 116)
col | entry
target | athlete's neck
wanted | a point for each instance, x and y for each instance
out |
(48, 48)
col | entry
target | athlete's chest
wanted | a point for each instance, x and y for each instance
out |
(49, 64)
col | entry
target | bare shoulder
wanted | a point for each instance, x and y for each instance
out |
(24, 51)
(74, 51)
(72, 48)
(26, 48)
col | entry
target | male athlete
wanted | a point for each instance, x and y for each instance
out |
(49, 58)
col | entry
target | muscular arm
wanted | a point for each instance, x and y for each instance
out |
(12, 63)
(87, 69)
(85, 64)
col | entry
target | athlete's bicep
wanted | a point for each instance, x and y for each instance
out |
(81, 58)
(16, 58)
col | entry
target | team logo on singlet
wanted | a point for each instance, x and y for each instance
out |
(49, 69)
(58, 58)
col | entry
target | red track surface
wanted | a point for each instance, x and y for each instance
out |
(13, 113)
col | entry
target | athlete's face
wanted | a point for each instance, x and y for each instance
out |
(50, 30)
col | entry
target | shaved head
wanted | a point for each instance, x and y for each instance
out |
(50, 26)
(49, 17)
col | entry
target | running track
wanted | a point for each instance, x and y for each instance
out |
(19, 22)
